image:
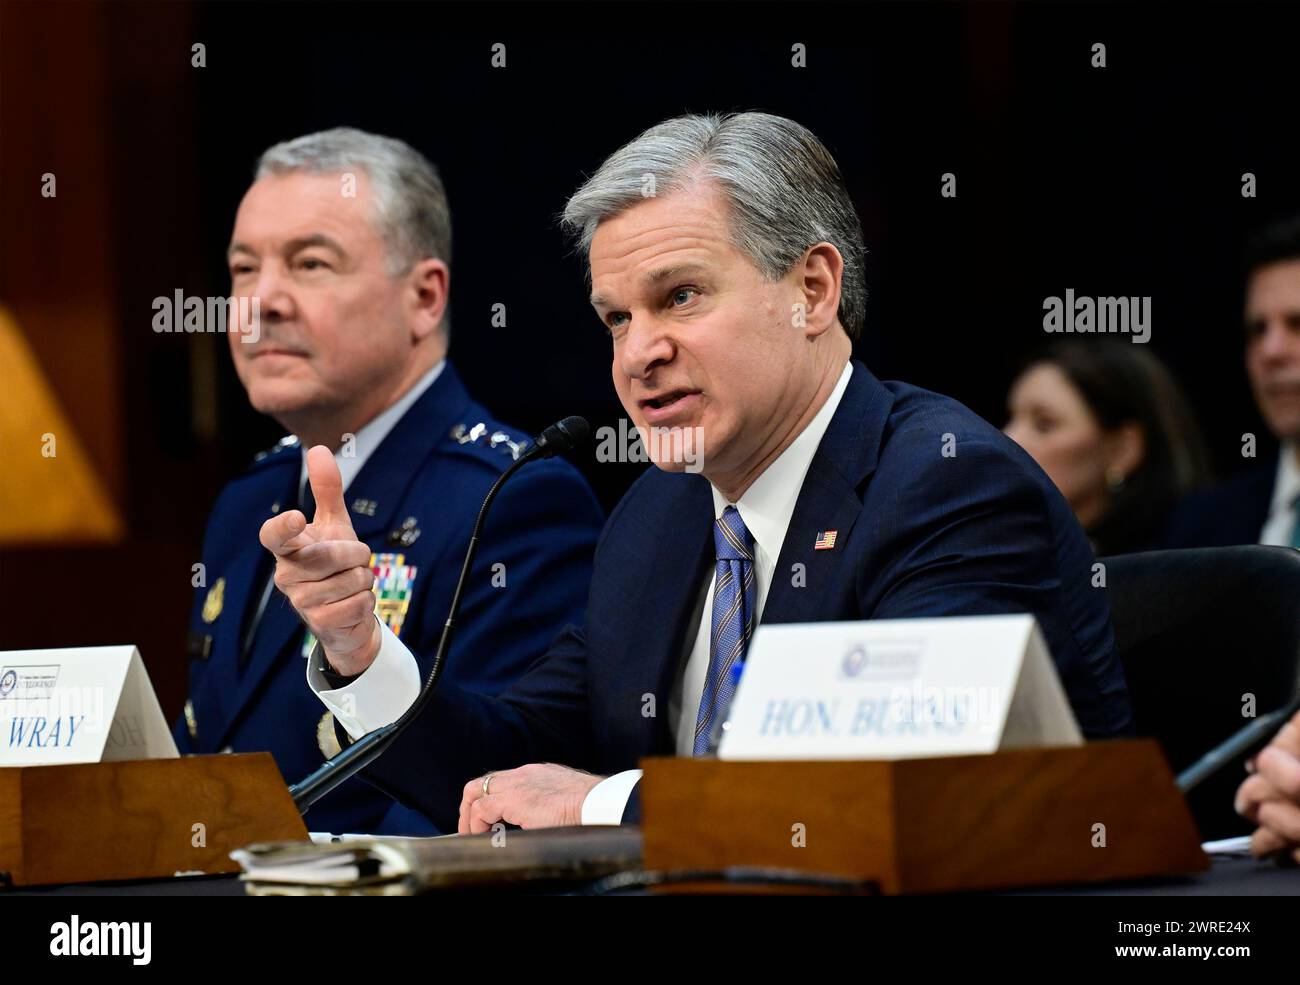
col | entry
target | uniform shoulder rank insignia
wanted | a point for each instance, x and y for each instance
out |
(394, 579)
(214, 600)
(502, 440)
(288, 441)
(499, 440)
(465, 436)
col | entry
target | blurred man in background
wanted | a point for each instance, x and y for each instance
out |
(1261, 506)
(344, 239)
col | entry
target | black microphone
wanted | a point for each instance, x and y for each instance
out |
(561, 437)
(1252, 737)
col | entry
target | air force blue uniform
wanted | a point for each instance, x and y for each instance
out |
(919, 533)
(416, 496)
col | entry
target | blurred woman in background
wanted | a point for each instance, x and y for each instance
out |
(1107, 423)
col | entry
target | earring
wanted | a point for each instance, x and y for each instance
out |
(1115, 479)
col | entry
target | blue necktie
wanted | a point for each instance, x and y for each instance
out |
(733, 620)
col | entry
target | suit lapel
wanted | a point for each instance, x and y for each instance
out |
(674, 578)
(829, 500)
(245, 579)
(825, 503)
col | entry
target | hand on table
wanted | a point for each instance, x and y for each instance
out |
(540, 795)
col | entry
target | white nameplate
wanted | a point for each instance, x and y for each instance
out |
(898, 688)
(79, 705)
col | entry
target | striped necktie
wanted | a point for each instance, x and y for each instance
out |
(733, 620)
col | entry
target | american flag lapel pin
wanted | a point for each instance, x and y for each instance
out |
(825, 540)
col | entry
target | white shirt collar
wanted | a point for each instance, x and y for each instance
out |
(768, 504)
(1286, 487)
(373, 434)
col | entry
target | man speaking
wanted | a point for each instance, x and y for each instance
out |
(726, 264)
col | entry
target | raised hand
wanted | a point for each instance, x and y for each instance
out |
(324, 570)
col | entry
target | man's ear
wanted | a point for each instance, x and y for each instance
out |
(820, 273)
(428, 290)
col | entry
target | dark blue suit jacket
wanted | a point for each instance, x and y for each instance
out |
(420, 479)
(1233, 512)
(920, 534)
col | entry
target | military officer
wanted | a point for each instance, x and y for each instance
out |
(343, 241)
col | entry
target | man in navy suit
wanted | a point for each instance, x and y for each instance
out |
(726, 264)
(344, 241)
(1262, 504)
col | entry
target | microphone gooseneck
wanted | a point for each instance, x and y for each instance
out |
(559, 438)
(1251, 737)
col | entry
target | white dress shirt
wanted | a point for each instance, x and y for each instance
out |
(392, 682)
(1283, 510)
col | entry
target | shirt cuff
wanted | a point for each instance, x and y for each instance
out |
(379, 695)
(606, 801)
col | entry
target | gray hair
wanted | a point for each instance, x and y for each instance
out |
(785, 191)
(411, 208)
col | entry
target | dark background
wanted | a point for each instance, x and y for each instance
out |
(1117, 181)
